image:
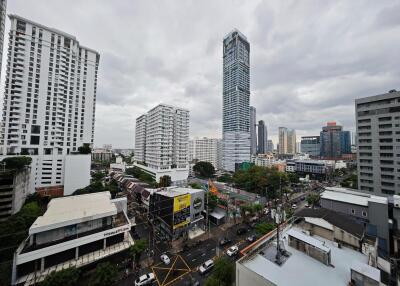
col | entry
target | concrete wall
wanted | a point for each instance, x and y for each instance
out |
(77, 173)
(378, 216)
(345, 208)
(246, 277)
(21, 189)
(346, 237)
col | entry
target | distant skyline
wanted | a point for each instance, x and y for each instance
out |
(309, 59)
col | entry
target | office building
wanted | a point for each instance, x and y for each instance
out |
(49, 99)
(178, 211)
(74, 231)
(102, 155)
(270, 146)
(378, 147)
(163, 142)
(310, 145)
(206, 150)
(314, 167)
(3, 12)
(335, 142)
(262, 137)
(253, 133)
(236, 100)
(287, 141)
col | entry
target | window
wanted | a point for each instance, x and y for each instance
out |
(353, 211)
(364, 213)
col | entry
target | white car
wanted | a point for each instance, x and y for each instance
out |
(206, 266)
(165, 259)
(294, 206)
(233, 250)
(145, 279)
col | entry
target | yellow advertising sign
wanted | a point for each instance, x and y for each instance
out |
(181, 202)
(181, 211)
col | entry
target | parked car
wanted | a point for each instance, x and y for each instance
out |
(307, 205)
(251, 238)
(233, 250)
(294, 206)
(241, 230)
(165, 259)
(225, 241)
(206, 266)
(145, 279)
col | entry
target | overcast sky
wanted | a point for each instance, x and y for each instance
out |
(309, 59)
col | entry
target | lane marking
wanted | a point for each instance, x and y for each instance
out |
(176, 258)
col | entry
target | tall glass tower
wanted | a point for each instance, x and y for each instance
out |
(236, 100)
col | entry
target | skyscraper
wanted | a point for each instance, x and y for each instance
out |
(253, 133)
(3, 8)
(262, 137)
(334, 141)
(287, 141)
(310, 145)
(236, 100)
(270, 146)
(161, 140)
(49, 99)
(378, 135)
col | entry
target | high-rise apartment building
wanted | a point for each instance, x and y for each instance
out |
(49, 99)
(3, 8)
(334, 141)
(262, 137)
(310, 145)
(378, 135)
(205, 149)
(236, 100)
(253, 133)
(140, 138)
(287, 141)
(162, 137)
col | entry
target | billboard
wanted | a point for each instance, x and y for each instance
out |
(181, 211)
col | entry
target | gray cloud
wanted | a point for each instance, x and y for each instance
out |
(309, 59)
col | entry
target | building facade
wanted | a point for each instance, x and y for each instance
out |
(49, 99)
(205, 149)
(378, 146)
(287, 141)
(14, 188)
(236, 100)
(3, 12)
(270, 146)
(262, 138)
(74, 232)
(310, 145)
(335, 142)
(253, 132)
(163, 142)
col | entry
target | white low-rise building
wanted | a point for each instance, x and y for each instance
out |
(74, 231)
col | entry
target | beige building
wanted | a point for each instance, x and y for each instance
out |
(287, 141)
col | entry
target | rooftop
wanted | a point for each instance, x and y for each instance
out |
(351, 197)
(313, 272)
(177, 191)
(74, 209)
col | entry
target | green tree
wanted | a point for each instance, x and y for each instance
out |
(350, 182)
(65, 277)
(212, 201)
(225, 178)
(204, 169)
(105, 274)
(293, 178)
(17, 162)
(137, 249)
(195, 186)
(84, 149)
(165, 181)
(264, 228)
(313, 199)
(98, 176)
(223, 273)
